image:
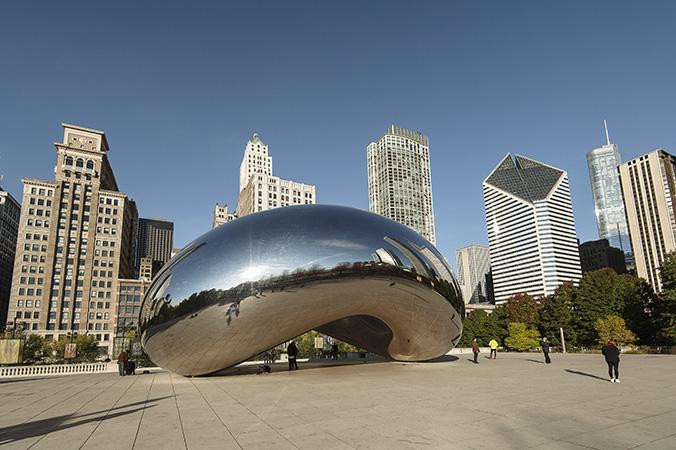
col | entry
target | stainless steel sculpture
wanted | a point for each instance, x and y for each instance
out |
(266, 278)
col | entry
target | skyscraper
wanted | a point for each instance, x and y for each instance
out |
(260, 190)
(399, 180)
(649, 191)
(531, 230)
(155, 241)
(76, 239)
(10, 211)
(474, 273)
(221, 216)
(607, 192)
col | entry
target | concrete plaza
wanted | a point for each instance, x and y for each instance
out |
(515, 401)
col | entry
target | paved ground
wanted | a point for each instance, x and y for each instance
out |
(513, 402)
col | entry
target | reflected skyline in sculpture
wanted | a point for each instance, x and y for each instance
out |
(266, 278)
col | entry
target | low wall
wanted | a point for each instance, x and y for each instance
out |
(56, 369)
(467, 350)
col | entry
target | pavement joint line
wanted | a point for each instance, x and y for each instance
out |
(178, 411)
(73, 413)
(215, 413)
(57, 403)
(280, 392)
(65, 385)
(138, 427)
(655, 440)
(107, 412)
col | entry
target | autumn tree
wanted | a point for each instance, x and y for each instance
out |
(521, 337)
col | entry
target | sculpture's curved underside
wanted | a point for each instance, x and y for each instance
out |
(266, 278)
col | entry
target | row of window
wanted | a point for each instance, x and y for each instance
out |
(42, 191)
(79, 162)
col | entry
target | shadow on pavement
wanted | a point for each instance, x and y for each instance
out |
(535, 361)
(585, 374)
(19, 380)
(45, 426)
(442, 358)
(254, 369)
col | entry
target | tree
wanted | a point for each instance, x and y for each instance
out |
(639, 301)
(613, 328)
(664, 311)
(524, 309)
(33, 349)
(521, 337)
(474, 326)
(556, 313)
(596, 299)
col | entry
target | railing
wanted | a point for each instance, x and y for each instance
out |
(56, 369)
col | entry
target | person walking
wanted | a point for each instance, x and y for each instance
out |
(334, 351)
(612, 355)
(122, 359)
(544, 345)
(292, 351)
(475, 350)
(493, 344)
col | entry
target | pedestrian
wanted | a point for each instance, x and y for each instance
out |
(612, 355)
(292, 351)
(334, 351)
(544, 345)
(122, 359)
(475, 350)
(493, 344)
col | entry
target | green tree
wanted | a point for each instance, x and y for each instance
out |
(87, 348)
(613, 328)
(521, 337)
(33, 349)
(596, 299)
(639, 302)
(556, 313)
(664, 310)
(523, 308)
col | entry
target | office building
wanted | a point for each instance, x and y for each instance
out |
(76, 240)
(399, 180)
(595, 255)
(607, 192)
(531, 230)
(130, 294)
(648, 188)
(221, 216)
(260, 190)
(474, 273)
(10, 210)
(155, 240)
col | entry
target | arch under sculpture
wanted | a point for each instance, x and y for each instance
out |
(266, 278)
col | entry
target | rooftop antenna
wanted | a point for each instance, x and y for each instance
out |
(605, 124)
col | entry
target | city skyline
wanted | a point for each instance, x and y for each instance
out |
(478, 98)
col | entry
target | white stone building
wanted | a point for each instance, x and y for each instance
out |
(221, 216)
(399, 180)
(531, 230)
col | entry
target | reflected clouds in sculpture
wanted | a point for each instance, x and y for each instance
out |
(263, 279)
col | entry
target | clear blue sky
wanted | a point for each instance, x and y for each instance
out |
(179, 88)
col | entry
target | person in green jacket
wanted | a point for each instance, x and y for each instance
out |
(493, 344)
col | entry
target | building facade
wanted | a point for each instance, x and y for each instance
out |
(10, 210)
(256, 161)
(265, 192)
(595, 255)
(130, 292)
(221, 216)
(155, 241)
(607, 192)
(474, 273)
(260, 190)
(648, 187)
(531, 230)
(400, 181)
(76, 239)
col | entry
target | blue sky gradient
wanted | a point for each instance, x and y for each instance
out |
(180, 87)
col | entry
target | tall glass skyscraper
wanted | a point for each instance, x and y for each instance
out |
(608, 204)
(400, 184)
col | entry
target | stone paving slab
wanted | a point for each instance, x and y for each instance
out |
(515, 401)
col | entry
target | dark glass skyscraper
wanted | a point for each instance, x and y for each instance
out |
(154, 240)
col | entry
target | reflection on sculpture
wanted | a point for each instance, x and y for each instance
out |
(266, 278)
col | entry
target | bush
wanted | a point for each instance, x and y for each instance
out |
(521, 337)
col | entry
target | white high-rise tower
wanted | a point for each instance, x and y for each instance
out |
(399, 180)
(256, 160)
(531, 230)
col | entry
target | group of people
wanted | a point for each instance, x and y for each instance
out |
(125, 365)
(610, 351)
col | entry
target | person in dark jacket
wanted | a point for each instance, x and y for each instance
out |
(122, 359)
(292, 351)
(475, 350)
(612, 355)
(544, 345)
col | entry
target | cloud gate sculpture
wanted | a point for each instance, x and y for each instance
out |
(266, 278)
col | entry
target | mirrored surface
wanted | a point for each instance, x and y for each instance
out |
(266, 278)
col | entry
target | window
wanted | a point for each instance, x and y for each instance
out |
(69, 162)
